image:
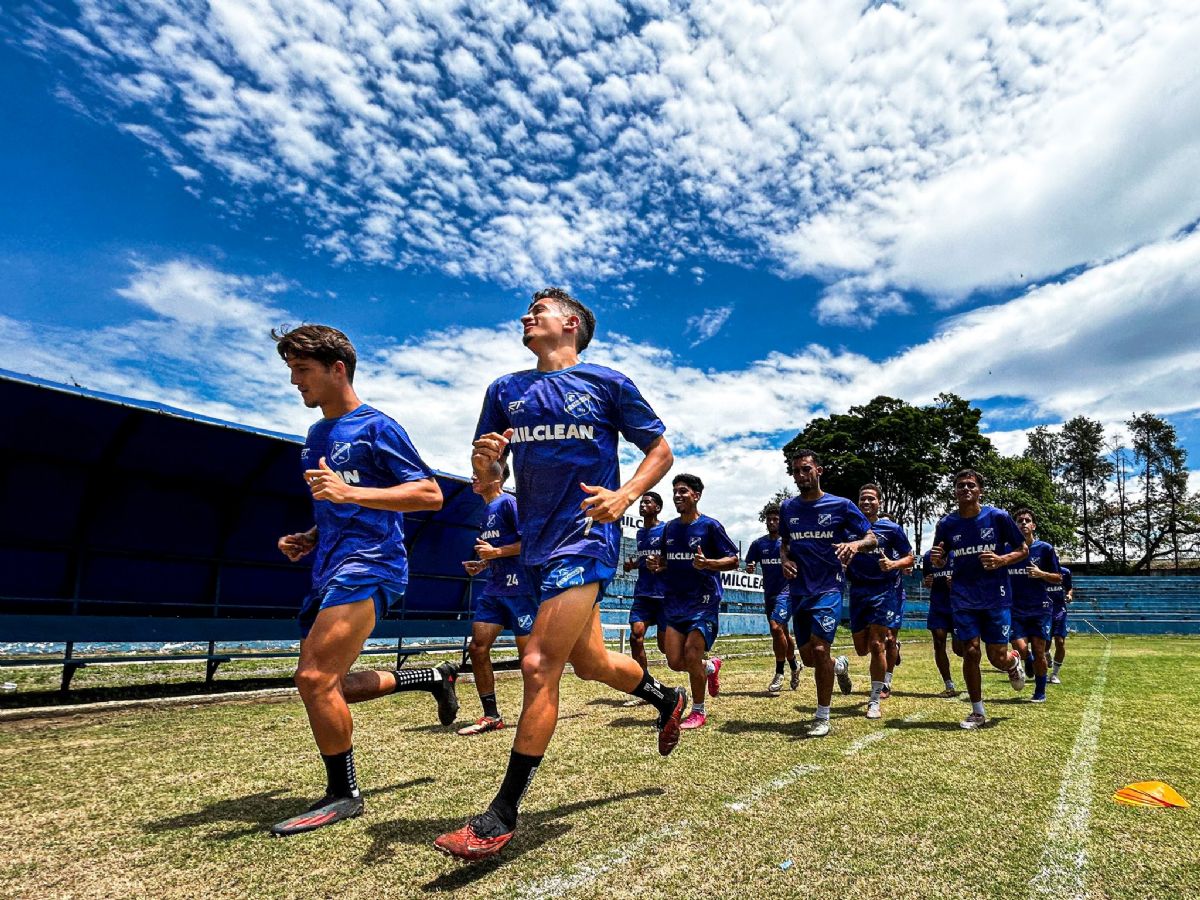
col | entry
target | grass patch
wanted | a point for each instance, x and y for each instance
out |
(175, 802)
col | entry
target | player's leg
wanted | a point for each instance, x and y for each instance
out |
(891, 660)
(942, 660)
(483, 637)
(1039, 670)
(694, 648)
(637, 644)
(1060, 650)
(876, 636)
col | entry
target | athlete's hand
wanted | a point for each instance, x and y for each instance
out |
(474, 566)
(699, 560)
(630, 564)
(989, 560)
(885, 565)
(937, 555)
(845, 552)
(750, 568)
(656, 564)
(489, 448)
(1035, 572)
(296, 546)
(927, 581)
(602, 505)
(485, 551)
(326, 484)
(789, 569)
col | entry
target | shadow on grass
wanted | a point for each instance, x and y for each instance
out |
(741, 726)
(927, 725)
(536, 828)
(258, 812)
(55, 697)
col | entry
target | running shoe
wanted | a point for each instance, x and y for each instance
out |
(950, 693)
(873, 711)
(326, 811)
(796, 676)
(1016, 676)
(973, 721)
(694, 720)
(885, 692)
(483, 836)
(841, 668)
(1054, 679)
(818, 728)
(482, 725)
(1038, 698)
(714, 677)
(668, 723)
(776, 684)
(445, 692)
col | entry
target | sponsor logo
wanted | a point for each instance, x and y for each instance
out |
(515, 406)
(987, 534)
(811, 535)
(341, 453)
(579, 404)
(824, 518)
(350, 476)
(559, 431)
(525, 621)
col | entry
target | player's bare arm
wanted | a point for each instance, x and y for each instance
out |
(296, 546)
(412, 496)
(721, 564)
(486, 551)
(602, 505)
(845, 552)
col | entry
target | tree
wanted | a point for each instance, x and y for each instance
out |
(1011, 482)
(776, 501)
(1166, 512)
(1086, 469)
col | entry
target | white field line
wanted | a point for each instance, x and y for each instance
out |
(756, 794)
(867, 740)
(1063, 873)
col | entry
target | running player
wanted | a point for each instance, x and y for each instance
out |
(364, 474)
(648, 591)
(939, 621)
(562, 422)
(764, 552)
(821, 535)
(1032, 611)
(506, 601)
(979, 543)
(874, 577)
(1060, 595)
(695, 551)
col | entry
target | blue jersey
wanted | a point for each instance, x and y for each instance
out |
(1030, 595)
(864, 573)
(565, 430)
(972, 586)
(366, 449)
(649, 543)
(939, 591)
(687, 586)
(811, 528)
(1058, 592)
(765, 552)
(501, 527)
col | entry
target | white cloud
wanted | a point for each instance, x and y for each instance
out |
(936, 148)
(706, 324)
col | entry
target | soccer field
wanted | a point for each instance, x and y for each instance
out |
(175, 802)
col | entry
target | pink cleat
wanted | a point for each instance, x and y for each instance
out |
(694, 720)
(714, 680)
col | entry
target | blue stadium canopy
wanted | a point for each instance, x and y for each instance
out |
(123, 520)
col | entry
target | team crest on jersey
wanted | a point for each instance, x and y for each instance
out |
(491, 521)
(341, 453)
(514, 406)
(824, 518)
(987, 534)
(694, 541)
(579, 404)
(525, 622)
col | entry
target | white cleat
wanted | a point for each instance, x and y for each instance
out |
(796, 676)
(1016, 677)
(841, 668)
(873, 711)
(973, 721)
(1054, 679)
(776, 684)
(818, 728)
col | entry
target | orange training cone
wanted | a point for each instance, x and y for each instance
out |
(1150, 793)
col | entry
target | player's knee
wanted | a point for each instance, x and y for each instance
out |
(312, 682)
(535, 668)
(479, 651)
(877, 645)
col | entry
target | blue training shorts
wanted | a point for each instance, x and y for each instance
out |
(939, 619)
(778, 608)
(872, 609)
(350, 589)
(565, 572)
(515, 612)
(1030, 627)
(816, 615)
(646, 609)
(1058, 625)
(708, 623)
(994, 626)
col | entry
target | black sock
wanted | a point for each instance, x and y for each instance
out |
(490, 709)
(521, 769)
(339, 772)
(792, 662)
(779, 667)
(415, 679)
(659, 696)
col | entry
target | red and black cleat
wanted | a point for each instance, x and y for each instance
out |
(668, 723)
(445, 692)
(326, 811)
(482, 837)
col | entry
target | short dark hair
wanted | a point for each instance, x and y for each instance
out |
(1025, 510)
(771, 509)
(871, 486)
(320, 342)
(801, 454)
(571, 306)
(655, 496)
(969, 473)
(691, 481)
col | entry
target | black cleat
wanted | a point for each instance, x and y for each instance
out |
(326, 811)
(668, 723)
(446, 693)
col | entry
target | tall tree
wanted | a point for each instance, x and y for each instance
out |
(1163, 474)
(1011, 482)
(1085, 467)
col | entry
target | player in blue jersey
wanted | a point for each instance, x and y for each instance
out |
(874, 577)
(695, 551)
(562, 422)
(979, 543)
(364, 474)
(1031, 610)
(764, 554)
(940, 621)
(507, 600)
(648, 590)
(1060, 596)
(821, 534)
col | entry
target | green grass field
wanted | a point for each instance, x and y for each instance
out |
(175, 802)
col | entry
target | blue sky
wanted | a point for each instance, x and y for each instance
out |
(777, 210)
